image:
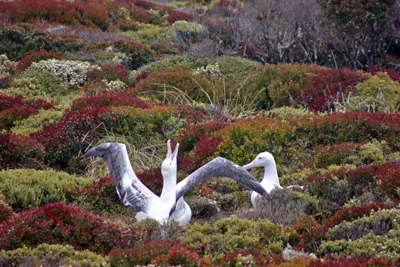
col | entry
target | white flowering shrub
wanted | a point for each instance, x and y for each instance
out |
(7, 67)
(115, 85)
(71, 74)
(210, 69)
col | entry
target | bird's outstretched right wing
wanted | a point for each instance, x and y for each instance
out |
(218, 167)
(130, 189)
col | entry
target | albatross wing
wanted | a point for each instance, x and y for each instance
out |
(130, 189)
(218, 167)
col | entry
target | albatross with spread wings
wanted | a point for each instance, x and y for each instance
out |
(170, 205)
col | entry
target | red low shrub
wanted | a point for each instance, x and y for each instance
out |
(183, 256)
(189, 137)
(17, 150)
(174, 15)
(76, 129)
(333, 154)
(59, 223)
(393, 73)
(6, 212)
(6, 82)
(109, 73)
(93, 14)
(139, 254)
(7, 101)
(192, 115)
(308, 234)
(153, 179)
(10, 115)
(352, 213)
(139, 14)
(353, 262)
(357, 127)
(36, 56)
(108, 99)
(138, 53)
(160, 252)
(204, 148)
(40, 103)
(329, 86)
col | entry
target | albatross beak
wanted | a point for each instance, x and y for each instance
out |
(250, 165)
(175, 154)
(172, 155)
(169, 150)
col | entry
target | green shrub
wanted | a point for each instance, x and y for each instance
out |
(181, 83)
(138, 54)
(377, 94)
(230, 234)
(152, 33)
(378, 223)
(370, 245)
(236, 69)
(98, 56)
(244, 139)
(148, 126)
(281, 83)
(27, 188)
(35, 122)
(195, 30)
(190, 62)
(51, 255)
(31, 87)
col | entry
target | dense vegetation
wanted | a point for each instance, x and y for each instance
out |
(316, 83)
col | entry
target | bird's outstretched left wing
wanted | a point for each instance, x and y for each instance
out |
(218, 167)
(130, 189)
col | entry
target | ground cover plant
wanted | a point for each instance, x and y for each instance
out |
(315, 83)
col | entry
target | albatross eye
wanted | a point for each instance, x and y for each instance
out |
(259, 157)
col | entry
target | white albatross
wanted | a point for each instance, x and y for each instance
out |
(170, 205)
(270, 180)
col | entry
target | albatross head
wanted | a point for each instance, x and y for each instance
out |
(264, 159)
(169, 165)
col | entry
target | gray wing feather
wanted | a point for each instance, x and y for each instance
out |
(218, 167)
(130, 189)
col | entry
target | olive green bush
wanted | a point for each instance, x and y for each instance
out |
(28, 188)
(98, 56)
(195, 30)
(51, 255)
(39, 85)
(377, 94)
(235, 69)
(378, 223)
(35, 122)
(190, 62)
(229, 234)
(370, 245)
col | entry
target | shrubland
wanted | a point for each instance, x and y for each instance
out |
(318, 88)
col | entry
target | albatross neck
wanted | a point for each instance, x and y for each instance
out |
(270, 175)
(168, 193)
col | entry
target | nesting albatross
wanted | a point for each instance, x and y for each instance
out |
(270, 179)
(170, 205)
